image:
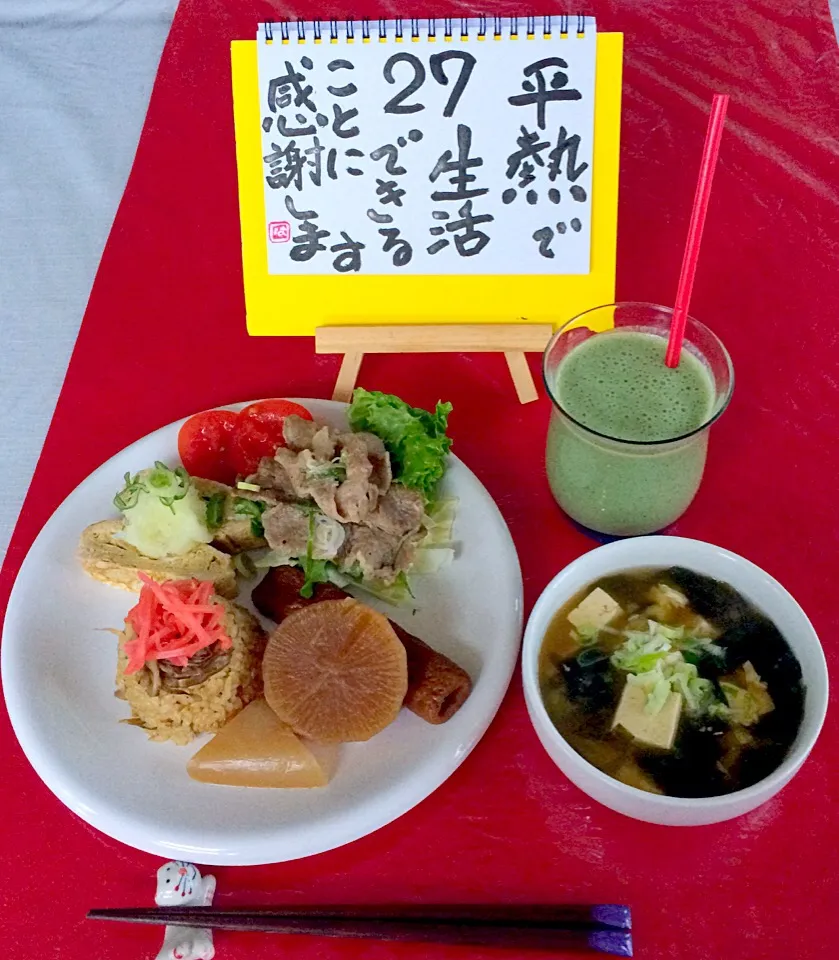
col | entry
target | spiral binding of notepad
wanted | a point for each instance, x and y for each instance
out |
(430, 30)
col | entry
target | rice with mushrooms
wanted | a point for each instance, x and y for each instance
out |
(178, 703)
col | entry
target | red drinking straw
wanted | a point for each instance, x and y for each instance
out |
(713, 136)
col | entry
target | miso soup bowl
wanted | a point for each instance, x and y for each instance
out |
(755, 585)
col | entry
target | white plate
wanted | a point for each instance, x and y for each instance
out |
(58, 676)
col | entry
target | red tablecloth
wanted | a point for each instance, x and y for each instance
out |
(164, 335)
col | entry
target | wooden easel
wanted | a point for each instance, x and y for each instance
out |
(511, 339)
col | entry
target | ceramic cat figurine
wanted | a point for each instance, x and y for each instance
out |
(179, 884)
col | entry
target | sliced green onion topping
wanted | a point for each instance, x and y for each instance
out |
(130, 493)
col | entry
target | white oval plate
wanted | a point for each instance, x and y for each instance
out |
(58, 668)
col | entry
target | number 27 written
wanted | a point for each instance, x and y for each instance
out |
(397, 103)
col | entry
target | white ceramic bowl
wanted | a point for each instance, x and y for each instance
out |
(754, 584)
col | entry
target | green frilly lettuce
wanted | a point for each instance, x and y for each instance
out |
(415, 439)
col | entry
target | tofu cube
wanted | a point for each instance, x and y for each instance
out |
(657, 730)
(597, 610)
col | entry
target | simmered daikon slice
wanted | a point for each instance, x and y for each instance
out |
(256, 749)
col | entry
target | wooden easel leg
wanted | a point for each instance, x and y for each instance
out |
(511, 339)
(345, 384)
(522, 378)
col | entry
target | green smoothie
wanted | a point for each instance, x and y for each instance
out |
(617, 384)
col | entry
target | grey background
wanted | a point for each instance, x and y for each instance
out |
(75, 79)
(68, 132)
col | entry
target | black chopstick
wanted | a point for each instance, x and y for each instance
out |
(600, 928)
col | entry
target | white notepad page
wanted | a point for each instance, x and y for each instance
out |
(427, 156)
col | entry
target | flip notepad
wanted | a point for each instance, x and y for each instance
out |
(428, 171)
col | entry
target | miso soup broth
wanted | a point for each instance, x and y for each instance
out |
(671, 682)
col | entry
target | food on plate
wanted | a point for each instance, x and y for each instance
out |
(188, 660)
(232, 516)
(349, 507)
(335, 671)
(105, 555)
(415, 439)
(221, 444)
(321, 509)
(204, 445)
(338, 508)
(437, 686)
(163, 533)
(163, 515)
(671, 682)
(258, 432)
(256, 749)
(355, 506)
(358, 507)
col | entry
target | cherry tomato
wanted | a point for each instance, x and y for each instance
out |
(259, 431)
(204, 445)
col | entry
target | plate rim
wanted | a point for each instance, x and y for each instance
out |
(128, 830)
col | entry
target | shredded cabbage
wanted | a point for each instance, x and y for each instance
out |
(327, 538)
(697, 691)
(396, 593)
(747, 705)
(702, 646)
(431, 560)
(587, 634)
(657, 697)
(669, 633)
(655, 662)
(655, 684)
(676, 597)
(263, 559)
(435, 550)
(640, 652)
(439, 522)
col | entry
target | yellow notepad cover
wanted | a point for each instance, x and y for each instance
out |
(296, 305)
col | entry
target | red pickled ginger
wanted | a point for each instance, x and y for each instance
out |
(173, 621)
